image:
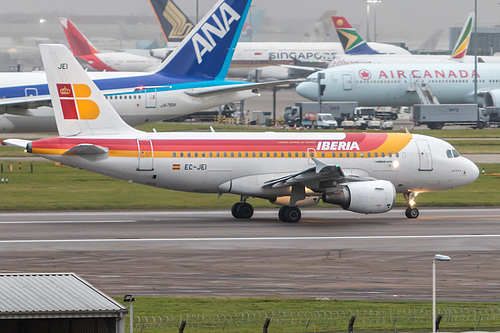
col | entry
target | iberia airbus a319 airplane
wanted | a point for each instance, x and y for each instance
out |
(361, 172)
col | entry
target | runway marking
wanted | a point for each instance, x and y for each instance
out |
(67, 221)
(308, 238)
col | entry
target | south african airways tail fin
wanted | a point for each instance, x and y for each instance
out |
(78, 43)
(351, 40)
(208, 49)
(460, 49)
(79, 106)
(174, 24)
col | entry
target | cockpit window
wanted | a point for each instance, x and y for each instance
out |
(455, 153)
(449, 153)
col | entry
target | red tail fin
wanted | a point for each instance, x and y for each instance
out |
(78, 43)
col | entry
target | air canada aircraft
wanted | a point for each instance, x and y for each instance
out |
(361, 172)
(192, 78)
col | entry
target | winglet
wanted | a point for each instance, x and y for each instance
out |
(351, 40)
(208, 49)
(460, 49)
(79, 106)
(174, 24)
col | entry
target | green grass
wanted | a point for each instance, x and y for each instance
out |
(53, 187)
(369, 314)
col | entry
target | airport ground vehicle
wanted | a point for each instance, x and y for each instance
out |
(435, 116)
(339, 111)
(319, 120)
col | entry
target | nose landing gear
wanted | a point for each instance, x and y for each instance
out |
(411, 212)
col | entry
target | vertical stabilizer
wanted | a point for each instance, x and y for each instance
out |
(79, 106)
(460, 49)
(208, 49)
(351, 40)
(173, 22)
(78, 43)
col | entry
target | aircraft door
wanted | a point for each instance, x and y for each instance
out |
(145, 148)
(151, 99)
(424, 155)
(347, 80)
(311, 153)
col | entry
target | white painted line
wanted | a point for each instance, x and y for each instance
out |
(67, 221)
(232, 239)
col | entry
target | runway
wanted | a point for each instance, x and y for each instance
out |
(330, 253)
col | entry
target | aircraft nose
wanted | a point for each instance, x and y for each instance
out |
(472, 171)
(308, 90)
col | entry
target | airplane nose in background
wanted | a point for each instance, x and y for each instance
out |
(304, 90)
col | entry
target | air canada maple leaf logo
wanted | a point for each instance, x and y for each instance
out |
(365, 74)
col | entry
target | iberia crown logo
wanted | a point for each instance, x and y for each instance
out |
(75, 102)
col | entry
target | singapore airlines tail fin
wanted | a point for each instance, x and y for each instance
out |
(173, 22)
(351, 40)
(79, 106)
(460, 49)
(208, 49)
(78, 43)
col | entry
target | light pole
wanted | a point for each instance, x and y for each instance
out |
(368, 3)
(131, 299)
(437, 257)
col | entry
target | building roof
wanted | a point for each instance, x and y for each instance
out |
(50, 295)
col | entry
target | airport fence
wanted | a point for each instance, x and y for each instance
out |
(455, 320)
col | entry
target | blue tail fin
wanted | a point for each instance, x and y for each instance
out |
(173, 22)
(207, 51)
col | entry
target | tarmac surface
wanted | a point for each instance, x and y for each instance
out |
(331, 253)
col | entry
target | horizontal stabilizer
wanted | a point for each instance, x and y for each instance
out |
(206, 92)
(87, 149)
(16, 142)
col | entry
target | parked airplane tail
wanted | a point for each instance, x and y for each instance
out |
(460, 49)
(208, 49)
(173, 22)
(351, 40)
(78, 43)
(79, 106)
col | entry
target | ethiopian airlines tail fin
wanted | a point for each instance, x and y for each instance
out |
(460, 49)
(79, 106)
(208, 49)
(173, 22)
(351, 41)
(78, 43)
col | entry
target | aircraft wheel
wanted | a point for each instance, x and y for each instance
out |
(281, 214)
(291, 214)
(244, 210)
(234, 210)
(412, 213)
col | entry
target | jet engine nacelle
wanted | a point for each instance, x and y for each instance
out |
(268, 73)
(367, 197)
(491, 98)
(285, 201)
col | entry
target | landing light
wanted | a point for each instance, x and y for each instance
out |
(395, 164)
(412, 202)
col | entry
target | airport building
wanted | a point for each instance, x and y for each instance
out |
(56, 302)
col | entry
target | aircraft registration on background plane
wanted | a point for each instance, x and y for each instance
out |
(110, 61)
(191, 79)
(361, 172)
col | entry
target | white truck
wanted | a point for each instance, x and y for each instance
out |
(294, 115)
(435, 116)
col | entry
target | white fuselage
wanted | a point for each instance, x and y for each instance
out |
(241, 163)
(127, 62)
(396, 84)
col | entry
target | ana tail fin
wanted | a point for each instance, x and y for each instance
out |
(351, 40)
(460, 49)
(173, 22)
(79, 106)
(78, 43)
(208, 49)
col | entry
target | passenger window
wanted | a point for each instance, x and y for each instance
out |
(210, 154)
(369, 154)
(449, 154)
(361, 154)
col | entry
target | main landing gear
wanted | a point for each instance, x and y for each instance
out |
(290, 214)
(242, 210)
(411, 212)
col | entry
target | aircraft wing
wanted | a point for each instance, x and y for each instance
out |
(303, 70)
(211, 91)
(320, 173)
(30, 101)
